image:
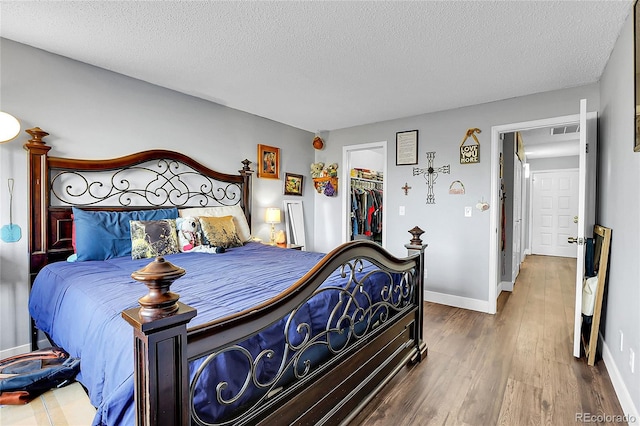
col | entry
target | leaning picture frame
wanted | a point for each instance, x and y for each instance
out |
(268, 162)
(293, 184)
(407, 148)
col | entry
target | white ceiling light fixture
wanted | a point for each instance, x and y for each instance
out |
(9, 127)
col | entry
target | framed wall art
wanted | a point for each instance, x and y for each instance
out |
(293, 184)
(407, 148)
(470, 152)
(268, 162)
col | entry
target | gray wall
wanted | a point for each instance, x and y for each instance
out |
(619, 209)
(94, 113)
(458, 253)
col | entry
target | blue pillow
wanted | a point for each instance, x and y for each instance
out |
(102, 235)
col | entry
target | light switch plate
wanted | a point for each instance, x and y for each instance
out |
(401, 210)
(467, 211)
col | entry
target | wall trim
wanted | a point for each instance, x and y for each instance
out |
(505, 286)
(457, 301)
(622, 392)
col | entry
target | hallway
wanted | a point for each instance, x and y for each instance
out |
(512, 368)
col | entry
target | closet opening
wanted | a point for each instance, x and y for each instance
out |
(364, 174)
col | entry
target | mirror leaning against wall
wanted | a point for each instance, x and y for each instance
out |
(593, 291)
(294, 223)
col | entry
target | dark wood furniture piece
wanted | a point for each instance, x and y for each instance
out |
(330, 393)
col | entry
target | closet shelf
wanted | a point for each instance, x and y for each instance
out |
(367, 180)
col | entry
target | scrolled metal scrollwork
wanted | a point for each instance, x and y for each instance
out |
(158, 183)
(355, 313)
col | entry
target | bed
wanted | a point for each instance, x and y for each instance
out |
(255, 335)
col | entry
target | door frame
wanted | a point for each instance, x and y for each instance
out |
(494, 248)
(347, 150)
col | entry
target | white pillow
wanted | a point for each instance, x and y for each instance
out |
(239, 219)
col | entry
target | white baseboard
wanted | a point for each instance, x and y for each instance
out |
(23, 349)
(628, 407)
(457, 301)
(505, 286)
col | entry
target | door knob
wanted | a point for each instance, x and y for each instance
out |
(572, 240)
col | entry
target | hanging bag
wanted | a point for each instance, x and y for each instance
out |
(26, 376)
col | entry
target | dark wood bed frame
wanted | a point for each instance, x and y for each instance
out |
(332, 393)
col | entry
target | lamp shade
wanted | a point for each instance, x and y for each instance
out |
(272, 215)
(9, 127)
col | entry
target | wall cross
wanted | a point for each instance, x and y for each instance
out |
(430, 175)
(406, 188)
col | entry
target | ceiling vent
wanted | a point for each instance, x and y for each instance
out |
(563, 130)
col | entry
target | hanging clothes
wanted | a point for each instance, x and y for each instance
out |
(366, 210)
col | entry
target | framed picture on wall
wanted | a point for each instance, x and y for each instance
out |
(407, 148)
(293, 184)
(268, 162)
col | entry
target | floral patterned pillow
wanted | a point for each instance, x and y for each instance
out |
(220, 231)
(151, 238)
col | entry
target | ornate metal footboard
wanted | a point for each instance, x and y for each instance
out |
(318, 371)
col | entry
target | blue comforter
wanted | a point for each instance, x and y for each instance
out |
(79, 306)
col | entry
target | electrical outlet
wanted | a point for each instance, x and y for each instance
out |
(467, 211)
(632, 360)
(621, 341)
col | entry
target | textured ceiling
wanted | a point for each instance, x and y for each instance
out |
(329, 65)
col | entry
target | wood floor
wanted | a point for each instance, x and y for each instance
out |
(512, 368)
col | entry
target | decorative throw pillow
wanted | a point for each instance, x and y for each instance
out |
(151, 238)
(220, 231)
(239, 219)
(189, 233)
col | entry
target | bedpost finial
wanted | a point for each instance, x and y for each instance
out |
(246, 165)
(158, 277)
(416, 232)
(36, 135)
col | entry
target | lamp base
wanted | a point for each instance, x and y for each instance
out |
(272, 241)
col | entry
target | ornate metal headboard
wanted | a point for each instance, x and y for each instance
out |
(148, 179)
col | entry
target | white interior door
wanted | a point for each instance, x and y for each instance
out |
(554, 209)
(586, 207)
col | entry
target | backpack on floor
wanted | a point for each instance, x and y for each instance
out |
(26, 376)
